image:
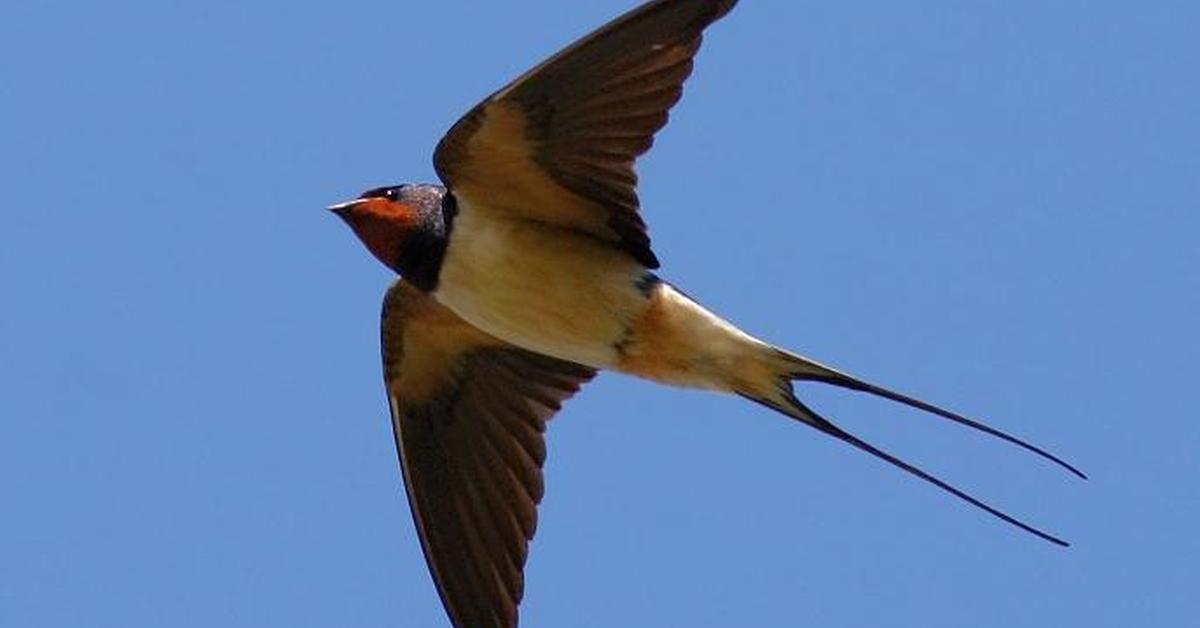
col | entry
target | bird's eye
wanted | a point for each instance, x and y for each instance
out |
(389, 193)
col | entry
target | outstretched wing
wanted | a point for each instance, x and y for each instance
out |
(558, 144)
(469, 412)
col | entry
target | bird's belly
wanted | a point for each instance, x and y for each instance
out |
(540, 287)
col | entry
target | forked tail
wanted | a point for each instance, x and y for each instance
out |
(779, 396)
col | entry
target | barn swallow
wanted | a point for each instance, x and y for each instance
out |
(528, 271)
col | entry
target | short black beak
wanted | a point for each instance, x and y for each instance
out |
(342, 209)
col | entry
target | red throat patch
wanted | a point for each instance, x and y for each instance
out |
(382, 225)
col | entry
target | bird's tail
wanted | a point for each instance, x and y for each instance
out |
(776, 393)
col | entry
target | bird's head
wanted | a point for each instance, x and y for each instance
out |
(397, 224)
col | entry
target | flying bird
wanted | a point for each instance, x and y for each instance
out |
(527, 271)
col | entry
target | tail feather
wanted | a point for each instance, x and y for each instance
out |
(779, 395)
(804, 369)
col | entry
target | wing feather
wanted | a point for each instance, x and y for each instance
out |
(559, 143)
(469, 413)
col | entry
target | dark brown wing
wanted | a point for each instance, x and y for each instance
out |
(558, 144)
(468, 412)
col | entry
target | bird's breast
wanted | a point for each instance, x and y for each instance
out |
(541, 287)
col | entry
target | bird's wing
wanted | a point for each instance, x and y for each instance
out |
(558, 144)
(468, 413)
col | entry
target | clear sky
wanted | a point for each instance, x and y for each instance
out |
(991, 205)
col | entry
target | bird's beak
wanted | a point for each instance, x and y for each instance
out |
(341, 209)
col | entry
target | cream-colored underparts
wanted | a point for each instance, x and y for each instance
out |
(575, 297)
(679, 342)
(538, 286)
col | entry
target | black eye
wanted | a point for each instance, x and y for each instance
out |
(391, 193)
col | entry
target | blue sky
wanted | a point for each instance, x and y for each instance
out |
(991, 205)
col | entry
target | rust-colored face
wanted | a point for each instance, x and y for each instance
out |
(382, 221)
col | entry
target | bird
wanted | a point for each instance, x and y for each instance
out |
(527, 270)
